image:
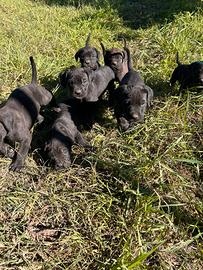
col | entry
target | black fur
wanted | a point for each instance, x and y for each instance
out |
(131, 99)
(64, 134)
(187, 75)
(120, 62)
(117, 60)
(85, 84)
(17, 116)
(88, 56)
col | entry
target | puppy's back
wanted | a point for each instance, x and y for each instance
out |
(132, 78)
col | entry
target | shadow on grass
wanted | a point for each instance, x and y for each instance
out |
(122, 181)
(49, 83)
(138, 13)
(183, 217)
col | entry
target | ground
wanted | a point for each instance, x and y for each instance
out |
(136, 201)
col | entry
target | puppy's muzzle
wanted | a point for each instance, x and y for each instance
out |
(87, 61)
(77, 93)
(135, 117)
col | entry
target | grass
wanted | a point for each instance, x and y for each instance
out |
(136, 202)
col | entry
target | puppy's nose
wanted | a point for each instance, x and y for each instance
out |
(77, 91)
(135, 116)
(114, 62)
(87, 61)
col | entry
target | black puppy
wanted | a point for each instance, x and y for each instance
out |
(131, 99)
(117, 59)
(188, 75)
(120, 62)
(89, 56)
(17, 116)
(64, 134)
(85, 84)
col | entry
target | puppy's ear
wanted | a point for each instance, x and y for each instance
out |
(125, 55)
(103, 49)
(77, 55)
(63, 77)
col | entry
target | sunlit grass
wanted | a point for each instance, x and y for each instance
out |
(136, 201)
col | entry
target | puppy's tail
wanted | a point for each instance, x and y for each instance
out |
(88, 40)
(177, 59)
(103, 48)
(124, 42)
(34, 70)
(130, 64)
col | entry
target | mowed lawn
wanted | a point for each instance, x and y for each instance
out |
(136, 201)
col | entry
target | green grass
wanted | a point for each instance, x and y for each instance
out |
(137, 201)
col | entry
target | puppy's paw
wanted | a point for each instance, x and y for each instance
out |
(16, 166)
(123, 124)
(10, 153)
(40, 119)
(61, 167)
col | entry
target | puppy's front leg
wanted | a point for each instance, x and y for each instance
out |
(123, 123)
(25, 142)
(40, 119)
(81, 141)
(5, 149)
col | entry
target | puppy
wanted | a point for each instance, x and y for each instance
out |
(188, 75)
(117, 59)
(17, 116)
(64, 134)
(131, 99)
(89, 56)
(85, 84)
(120, 62)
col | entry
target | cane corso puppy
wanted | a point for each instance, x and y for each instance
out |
(85, 84)
(17, 116)
(117, 59)
(64, 134)
(188, 75)
(120, 62)
(131, 99)
(89, 56)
